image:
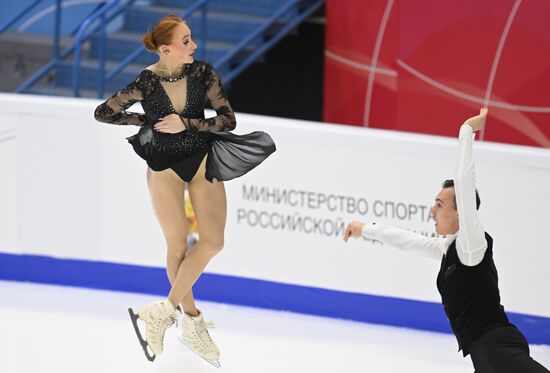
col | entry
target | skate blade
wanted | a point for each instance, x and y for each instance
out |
(215, 363)
(134, 317)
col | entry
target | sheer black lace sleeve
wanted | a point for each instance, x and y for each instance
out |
(225, 120)
(114, 109)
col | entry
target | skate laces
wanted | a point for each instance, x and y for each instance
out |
(202, 330)
(163, 324)
(204, 325)
(173, 319)
(200, 337)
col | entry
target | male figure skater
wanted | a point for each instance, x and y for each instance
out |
(467, 280)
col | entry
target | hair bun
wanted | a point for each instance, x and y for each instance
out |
(149, 41)
(162, 33)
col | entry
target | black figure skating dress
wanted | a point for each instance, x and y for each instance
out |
(229, 155)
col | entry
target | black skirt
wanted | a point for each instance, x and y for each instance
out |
(229, 155)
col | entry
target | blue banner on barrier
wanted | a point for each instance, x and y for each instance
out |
(249, 292)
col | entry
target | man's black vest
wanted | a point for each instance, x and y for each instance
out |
(470, 296)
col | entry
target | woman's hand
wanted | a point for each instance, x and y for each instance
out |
(478, 122)
(170, 124)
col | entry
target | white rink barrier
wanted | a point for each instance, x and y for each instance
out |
(73, 199)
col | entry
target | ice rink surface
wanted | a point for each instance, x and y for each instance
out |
(58, 329)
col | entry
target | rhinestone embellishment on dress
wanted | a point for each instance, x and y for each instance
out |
(170, 80)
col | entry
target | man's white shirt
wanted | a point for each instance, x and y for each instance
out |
(470, 238)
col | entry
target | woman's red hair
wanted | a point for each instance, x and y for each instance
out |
(162, 33)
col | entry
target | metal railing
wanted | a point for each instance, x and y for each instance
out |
(6, 25)
(83, 34)
(57, 54)
(274, 28)
(260, 33)
(99, 20)
(57, 24)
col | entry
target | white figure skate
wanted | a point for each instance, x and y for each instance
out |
(195, 335)
(158, 316)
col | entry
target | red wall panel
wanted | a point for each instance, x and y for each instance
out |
(424, 66)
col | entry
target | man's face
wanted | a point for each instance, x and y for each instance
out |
(444, 212)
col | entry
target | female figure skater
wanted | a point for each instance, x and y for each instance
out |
(181, 146)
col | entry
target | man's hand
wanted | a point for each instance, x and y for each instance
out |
(354, 229)
(478, 122)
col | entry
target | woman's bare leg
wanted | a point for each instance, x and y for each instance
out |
(210, 205)
(167, 192)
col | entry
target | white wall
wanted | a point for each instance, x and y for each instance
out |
(73, 188)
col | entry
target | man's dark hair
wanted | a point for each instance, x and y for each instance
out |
(451, 184)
